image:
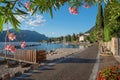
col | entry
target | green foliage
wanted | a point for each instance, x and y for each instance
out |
(96, 33)
(93, 36)
(15, 23)
(87, 38)
(2, 22)
(68, 38)
(7, 14)
(46, 6)
(61, 38)
(111, 20)
(107, 35)
(74, 37)
(99, 23)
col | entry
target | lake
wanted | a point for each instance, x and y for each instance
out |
(45, 46)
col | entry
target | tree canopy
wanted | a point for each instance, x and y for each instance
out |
(111, 20)
(107, 24)
(97, 32)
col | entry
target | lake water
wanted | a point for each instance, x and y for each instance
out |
(45, 46)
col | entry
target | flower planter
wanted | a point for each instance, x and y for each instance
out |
(109, 73)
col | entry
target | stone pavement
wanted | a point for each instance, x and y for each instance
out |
(78, 66)
(117, 58)
(106, 61)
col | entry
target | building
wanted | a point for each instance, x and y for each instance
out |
(81, 38)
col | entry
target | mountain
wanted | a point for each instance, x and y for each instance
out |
(24, 35)
(90, 30)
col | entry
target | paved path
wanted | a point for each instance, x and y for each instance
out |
(75, 67)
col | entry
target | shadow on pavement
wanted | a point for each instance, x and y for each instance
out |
(79, 60)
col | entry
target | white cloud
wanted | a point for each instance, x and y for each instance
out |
(5, 27)
(21, 18)
(52, 33)
(35, 20)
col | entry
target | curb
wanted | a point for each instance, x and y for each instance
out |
(95, 68)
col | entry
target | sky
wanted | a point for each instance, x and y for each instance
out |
(63, 23)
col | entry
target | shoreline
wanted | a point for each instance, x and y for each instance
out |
(62, 52)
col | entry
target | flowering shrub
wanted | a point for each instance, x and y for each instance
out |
(10, 47)
(11, 36)
(27, 5)
(86, 6)
(73, 10)
(23, 44)
(109, 73)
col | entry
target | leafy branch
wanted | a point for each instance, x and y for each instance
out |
(10, 8)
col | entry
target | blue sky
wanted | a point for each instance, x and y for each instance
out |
(63, 23)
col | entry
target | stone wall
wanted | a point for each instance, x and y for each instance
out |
(111, 46)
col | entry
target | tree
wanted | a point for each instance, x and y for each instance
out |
(73, 37)
(69, 38)
(111, 20)
(93, 36)
(87, 38)
(96, 33)
(99, 23)
(61, 38)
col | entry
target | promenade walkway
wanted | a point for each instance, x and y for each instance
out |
(77, 66)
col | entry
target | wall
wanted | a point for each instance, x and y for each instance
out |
(81, 38)
(112, 46)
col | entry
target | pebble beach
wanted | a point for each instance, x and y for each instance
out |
(62, 52)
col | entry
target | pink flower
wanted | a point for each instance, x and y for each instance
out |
(98, 79)
(27, 5)
(104, 78)
(119, 66)
(100, 74)
(23, 44)
(11, 48)
(113, 68)
(86, 6)
(11, 36)
(7, 47)
(73, 11)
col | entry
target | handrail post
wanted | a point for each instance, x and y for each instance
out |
(35, 56)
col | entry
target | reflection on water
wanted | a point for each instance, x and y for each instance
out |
(46, 46)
